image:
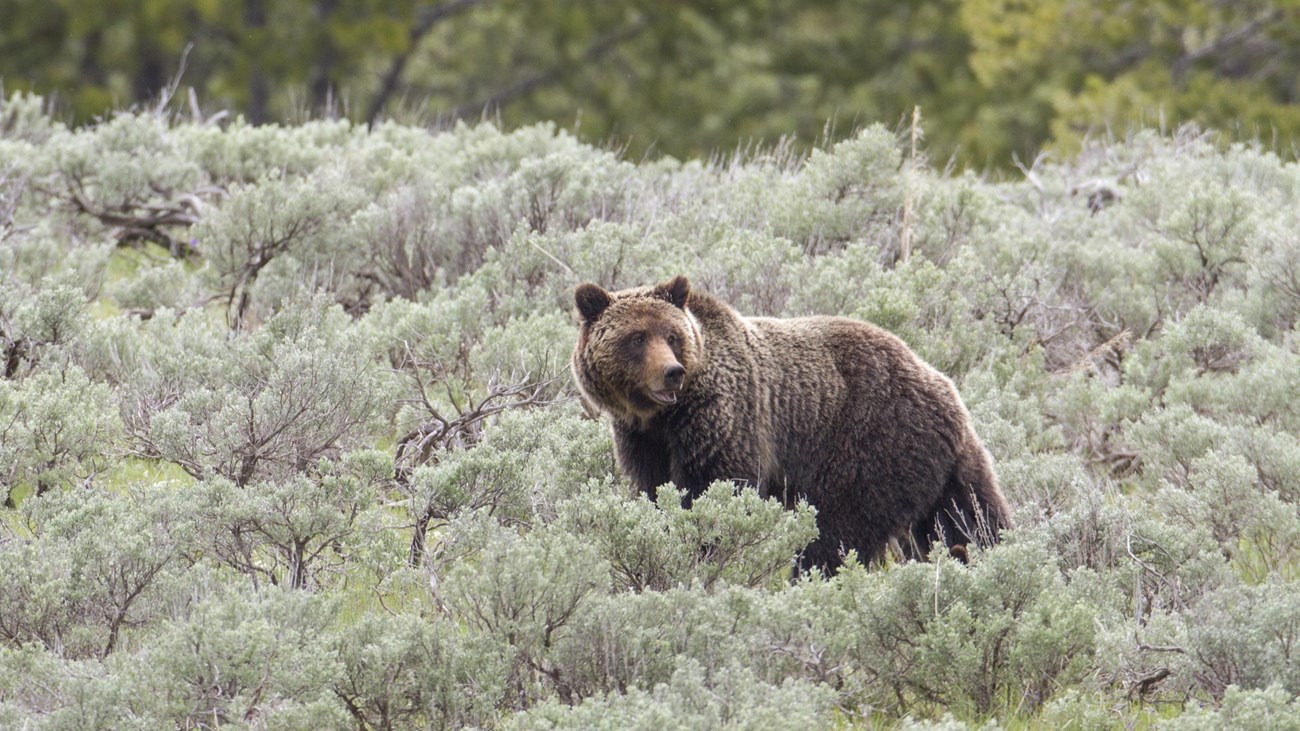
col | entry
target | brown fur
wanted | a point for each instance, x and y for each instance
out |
(827, 409)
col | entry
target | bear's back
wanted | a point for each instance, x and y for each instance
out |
(841, 389)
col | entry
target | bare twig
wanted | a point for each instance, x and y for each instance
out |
(1144, 685)
(909, 194)
(134, 221)
(169, 91)
(553, 258)
(440, 432)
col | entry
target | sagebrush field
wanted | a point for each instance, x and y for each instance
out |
(288, 438)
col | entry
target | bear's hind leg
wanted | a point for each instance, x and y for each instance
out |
(947, 524)
(822, 555)
(958, 519)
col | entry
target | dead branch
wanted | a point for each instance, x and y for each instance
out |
(1144, 685)
(441, 431)
(131, 222)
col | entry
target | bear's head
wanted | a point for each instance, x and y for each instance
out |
(637, 348)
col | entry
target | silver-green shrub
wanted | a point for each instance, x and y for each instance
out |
(289, 440)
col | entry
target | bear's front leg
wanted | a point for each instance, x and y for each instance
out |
(643, 456)
(700, 457)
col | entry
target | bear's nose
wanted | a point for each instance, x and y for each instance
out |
(673, 375)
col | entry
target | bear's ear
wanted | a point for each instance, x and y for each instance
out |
(677, 291)
(591, 301)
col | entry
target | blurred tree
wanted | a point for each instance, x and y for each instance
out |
(94, 55)
(992, 77)
(1060, 69)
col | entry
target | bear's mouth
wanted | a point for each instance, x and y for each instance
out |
(667, 397)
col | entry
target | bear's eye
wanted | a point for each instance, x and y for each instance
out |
(638, 339)
(672, 341)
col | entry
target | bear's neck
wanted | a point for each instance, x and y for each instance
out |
(646, 424)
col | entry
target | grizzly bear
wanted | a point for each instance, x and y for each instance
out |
(827, 409)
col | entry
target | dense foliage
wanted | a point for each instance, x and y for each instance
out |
(287, 436)
(990, 77)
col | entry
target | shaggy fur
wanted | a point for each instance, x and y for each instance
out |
(831, 410)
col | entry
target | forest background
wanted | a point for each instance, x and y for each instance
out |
(993, 78)
(287, 435)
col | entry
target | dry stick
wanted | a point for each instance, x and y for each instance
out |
(905, 236)
(196, 113)
(553, 258)
(936, 589)
(165, 97)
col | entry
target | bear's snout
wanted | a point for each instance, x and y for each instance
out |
(673, 375)
(667, 381)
